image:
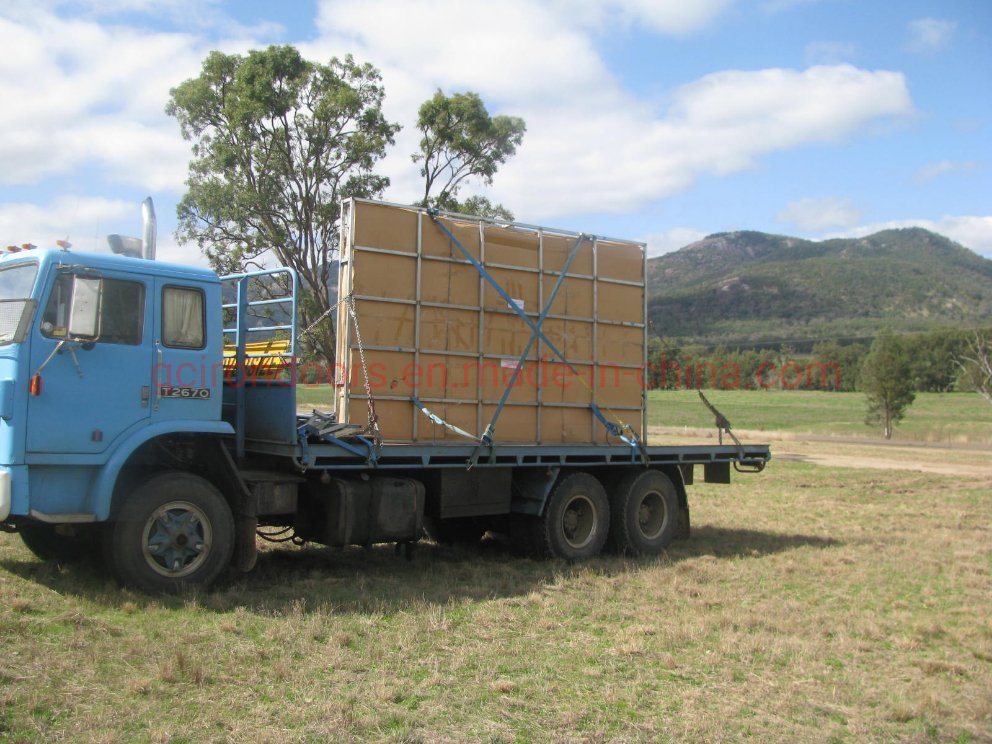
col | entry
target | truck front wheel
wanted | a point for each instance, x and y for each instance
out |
(174, 532)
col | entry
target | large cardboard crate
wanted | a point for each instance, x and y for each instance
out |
(433, 328)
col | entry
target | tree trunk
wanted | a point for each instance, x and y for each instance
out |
(888, 424)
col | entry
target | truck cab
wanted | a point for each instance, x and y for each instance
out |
(99, 355)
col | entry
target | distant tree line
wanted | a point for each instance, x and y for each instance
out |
(936, 362)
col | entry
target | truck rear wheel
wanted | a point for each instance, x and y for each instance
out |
(174, 532)
(644, 513)
(576, 519)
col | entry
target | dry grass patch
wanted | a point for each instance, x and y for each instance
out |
(811, 603)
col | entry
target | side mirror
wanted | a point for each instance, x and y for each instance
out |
(84, 315)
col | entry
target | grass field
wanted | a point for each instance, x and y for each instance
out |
(811, 603)
(954, 418)
(933, 417)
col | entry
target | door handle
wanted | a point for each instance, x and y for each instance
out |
(158, 370)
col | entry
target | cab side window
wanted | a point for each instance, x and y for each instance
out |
(122, 311)
(183, 318)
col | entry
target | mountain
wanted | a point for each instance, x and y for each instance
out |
(748, 287)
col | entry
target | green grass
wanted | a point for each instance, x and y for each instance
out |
(933, 417)
(810, 603)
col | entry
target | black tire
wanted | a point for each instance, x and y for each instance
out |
(576, 520)
(644, 513)
(174, 532)
(464, 531)
(64, 543)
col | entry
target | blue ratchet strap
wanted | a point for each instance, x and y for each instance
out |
(434, 418)
(487, 436)
(636, 445)
(433, 213)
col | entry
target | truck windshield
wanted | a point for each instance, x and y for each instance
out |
(16, 283)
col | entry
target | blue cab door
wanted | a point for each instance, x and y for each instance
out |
(91, 394)
(188, 376)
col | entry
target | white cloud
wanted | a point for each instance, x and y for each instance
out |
(590, 144)
(829, 52)
(971, 231)
(823, 213)
(85, 223)
(933, 170)
(671, 240)
(618, 157)
(929, 35)
(84, 95)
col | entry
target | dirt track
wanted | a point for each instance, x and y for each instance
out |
(969, 461)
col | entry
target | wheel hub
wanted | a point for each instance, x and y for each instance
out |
(579, 522)
(176, 539)
(652, 515)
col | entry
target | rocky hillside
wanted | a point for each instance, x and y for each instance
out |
(745, 287)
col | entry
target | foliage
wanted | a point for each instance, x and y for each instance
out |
(975, 361)
(278, 141)
(462, 140)
(847, 358)
(886, 380)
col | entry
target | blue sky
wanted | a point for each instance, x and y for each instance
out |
(662, 120)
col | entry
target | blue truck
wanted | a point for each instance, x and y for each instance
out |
(129, 436)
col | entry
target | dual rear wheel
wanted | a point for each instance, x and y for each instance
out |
(638, 517)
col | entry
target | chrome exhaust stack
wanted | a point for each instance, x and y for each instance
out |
(149, 229)
(143, 247)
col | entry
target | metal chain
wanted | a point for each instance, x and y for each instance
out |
(306, 331)
(373, 417)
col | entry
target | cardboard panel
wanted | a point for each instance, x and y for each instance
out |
(620, 302)
(556, 250)
(516, 424)
(620, 344)
(442, 329)
(507, 335)
(512, 247)
(620, 261)
(395, 418)
(442, 376)
(383, 323)
(546, 391)
(385, 275)
(561, 385)
(450, 283)
(574, 297)
(435, 243)
(618, 386)
(571, 425)
(495, 376)
(572, 338)
(520, 285)
(391, 373)
(382, 226)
